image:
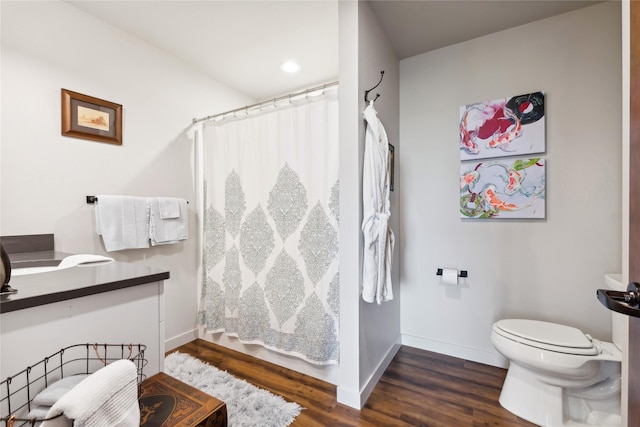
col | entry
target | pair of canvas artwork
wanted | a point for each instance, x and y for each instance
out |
(496, 180)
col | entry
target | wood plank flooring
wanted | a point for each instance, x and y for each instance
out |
(419, 388)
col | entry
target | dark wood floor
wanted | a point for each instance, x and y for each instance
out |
(419, 388)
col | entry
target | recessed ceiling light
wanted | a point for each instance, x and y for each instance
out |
(290, 67)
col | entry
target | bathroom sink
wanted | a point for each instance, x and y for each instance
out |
(82, 260)
(614, 281)
(625, 300)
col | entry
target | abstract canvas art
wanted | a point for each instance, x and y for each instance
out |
(513, 188)
(503, 127)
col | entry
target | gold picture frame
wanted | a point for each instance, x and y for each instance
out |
(91, 118)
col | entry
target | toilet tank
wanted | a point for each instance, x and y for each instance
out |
(619, 321)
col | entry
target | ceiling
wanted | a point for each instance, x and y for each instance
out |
(415, 27)
(242, 43)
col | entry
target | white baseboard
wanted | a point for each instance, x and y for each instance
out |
(355, 399)
(349, 397)
(461, 352)
(377, 374)
(181, 339)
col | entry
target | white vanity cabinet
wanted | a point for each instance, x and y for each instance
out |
(108, 304)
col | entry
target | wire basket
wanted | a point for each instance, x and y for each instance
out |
(18, 391)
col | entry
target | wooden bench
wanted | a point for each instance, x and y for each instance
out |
(168, 402)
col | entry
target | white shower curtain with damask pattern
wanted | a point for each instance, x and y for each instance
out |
(270, 255)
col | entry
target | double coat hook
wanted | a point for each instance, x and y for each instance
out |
(366, 92)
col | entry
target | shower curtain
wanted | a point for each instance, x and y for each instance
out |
(270, 245)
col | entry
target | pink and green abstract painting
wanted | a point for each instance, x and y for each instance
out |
(503, 127)
(513, 188)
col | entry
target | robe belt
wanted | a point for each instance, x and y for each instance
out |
(379, 226)
(383, 228)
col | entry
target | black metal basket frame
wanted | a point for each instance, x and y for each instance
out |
(18, 391)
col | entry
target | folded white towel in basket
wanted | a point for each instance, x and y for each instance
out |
(50, 395)
(123, 222)
(165, 230)
(106, 398)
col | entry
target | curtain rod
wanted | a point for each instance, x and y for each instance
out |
(268, 101)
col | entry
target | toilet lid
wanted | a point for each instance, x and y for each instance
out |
(551, 336)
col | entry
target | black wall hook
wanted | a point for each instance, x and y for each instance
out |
(366, 92)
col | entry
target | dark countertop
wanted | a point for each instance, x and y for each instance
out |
(36, 259)
(54, 286)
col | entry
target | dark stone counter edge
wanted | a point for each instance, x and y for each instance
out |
(20, 304)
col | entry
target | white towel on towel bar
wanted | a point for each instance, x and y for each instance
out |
(169, 207)
(123, 222)
(163, 231)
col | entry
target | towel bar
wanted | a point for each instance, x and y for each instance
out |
(91, 200)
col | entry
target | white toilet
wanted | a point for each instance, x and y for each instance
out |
(558, 375)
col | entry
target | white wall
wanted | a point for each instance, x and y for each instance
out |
(380, 324)
(348, 391)
(45, 177)
(370, 333)
(545, 269)
(626, 148)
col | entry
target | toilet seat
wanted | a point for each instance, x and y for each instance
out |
(547, 336)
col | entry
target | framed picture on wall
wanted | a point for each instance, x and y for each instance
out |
(91, 118)
(503, 188)
(503, 127)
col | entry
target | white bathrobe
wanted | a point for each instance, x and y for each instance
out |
(378, 236)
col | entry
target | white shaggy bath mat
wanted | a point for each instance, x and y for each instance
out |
(247, 405)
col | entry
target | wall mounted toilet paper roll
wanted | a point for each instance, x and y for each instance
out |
(450, 276)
